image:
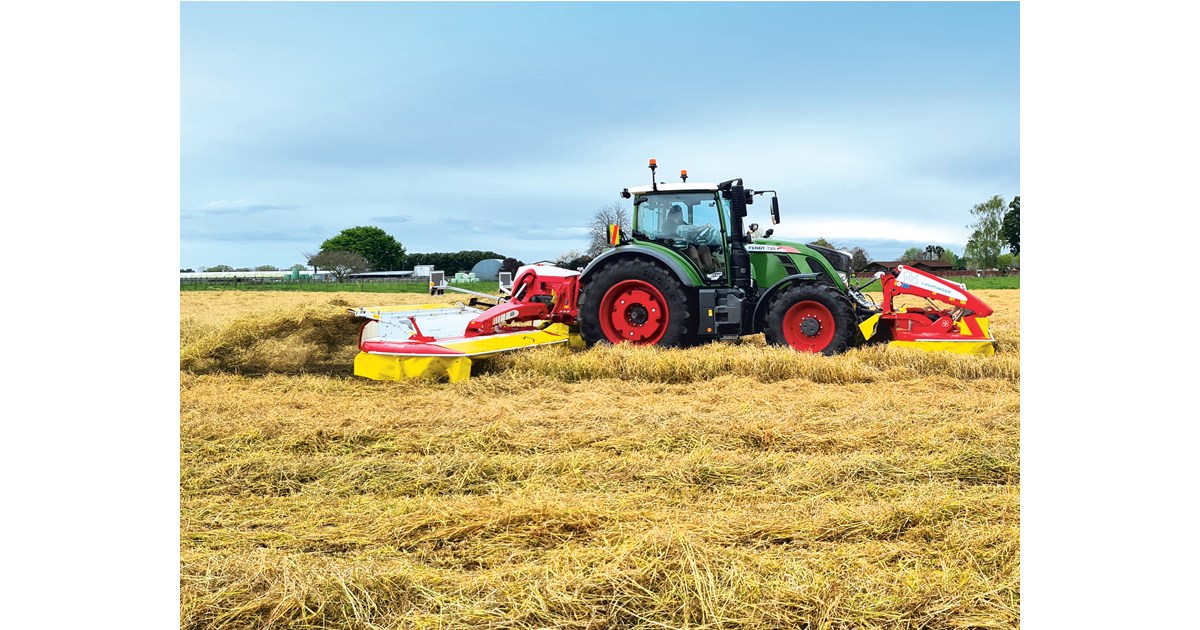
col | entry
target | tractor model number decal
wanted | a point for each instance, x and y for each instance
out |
(772, 248)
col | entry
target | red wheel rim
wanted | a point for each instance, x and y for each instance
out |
(808, 326)
(634, 311)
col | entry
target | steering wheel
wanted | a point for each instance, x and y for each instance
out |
(701, 234)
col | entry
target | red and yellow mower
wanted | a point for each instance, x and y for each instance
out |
(542, 308)
(403, 342)
(962, 328)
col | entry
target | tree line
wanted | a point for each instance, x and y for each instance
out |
(369, 248)
(997, 227)
(258, 268)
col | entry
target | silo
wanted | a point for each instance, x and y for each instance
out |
(487, 269)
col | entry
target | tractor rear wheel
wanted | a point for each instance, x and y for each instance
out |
(636, 302)
(811, 318)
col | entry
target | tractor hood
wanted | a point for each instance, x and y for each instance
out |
(839, 260)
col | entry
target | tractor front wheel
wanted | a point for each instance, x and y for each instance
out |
(635, 302)
(811, 318)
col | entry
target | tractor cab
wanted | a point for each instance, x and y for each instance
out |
(700, 224)
(690, 221)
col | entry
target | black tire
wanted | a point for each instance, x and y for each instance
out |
(811, 318)
(645, 277)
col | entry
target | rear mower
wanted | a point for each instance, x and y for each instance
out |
(687, 273)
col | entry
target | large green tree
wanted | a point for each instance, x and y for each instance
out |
(912, 254)
(1010, 231)
(339, 262)
(983, 250)
(971, 253)
(380, 249)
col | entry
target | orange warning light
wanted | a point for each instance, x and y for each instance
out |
(683, 173)
(653, 162)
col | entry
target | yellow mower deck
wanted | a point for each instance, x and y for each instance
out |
(965, 346)
(455, 365)
(975, 345)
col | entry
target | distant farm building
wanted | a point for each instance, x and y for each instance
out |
(932, 266)
(290, 275)
(380, 275)
(487, 269)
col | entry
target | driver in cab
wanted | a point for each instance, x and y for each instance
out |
(699, 255)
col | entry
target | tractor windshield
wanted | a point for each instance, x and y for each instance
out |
(691, 223)
(674, 216)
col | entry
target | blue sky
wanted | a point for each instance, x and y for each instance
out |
(504, 126)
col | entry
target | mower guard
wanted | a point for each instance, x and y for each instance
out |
(405, 342)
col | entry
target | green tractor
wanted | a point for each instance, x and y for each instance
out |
(690, 272)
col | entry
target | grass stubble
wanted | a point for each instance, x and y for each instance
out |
(731, 486)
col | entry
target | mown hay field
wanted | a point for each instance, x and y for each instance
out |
(726, 486)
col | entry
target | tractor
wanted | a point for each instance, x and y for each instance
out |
(689, 272)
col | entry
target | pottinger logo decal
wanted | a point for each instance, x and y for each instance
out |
(908, 278)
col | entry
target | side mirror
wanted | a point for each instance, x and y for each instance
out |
(775, 210)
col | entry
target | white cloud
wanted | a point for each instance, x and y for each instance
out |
(242, 206)
(225, 204)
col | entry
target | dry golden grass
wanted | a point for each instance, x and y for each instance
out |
(259, 332)
(728, 486)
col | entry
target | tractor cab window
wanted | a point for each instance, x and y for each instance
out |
(688, 222)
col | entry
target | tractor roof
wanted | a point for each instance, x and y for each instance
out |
(693, 187)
